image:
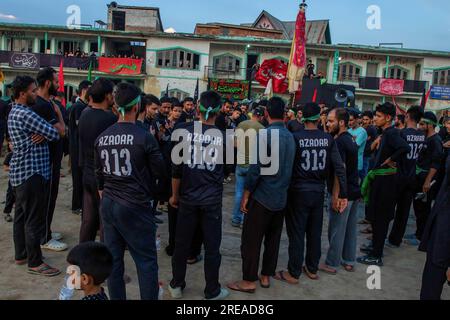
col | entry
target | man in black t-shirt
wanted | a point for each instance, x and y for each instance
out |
(428, 165)
(317, 154)
(407, 175)
(74, 118)
(127, 160)
(47, 80)
(93, 121)
(297, 124)
(372, 133)
(197, 190)
(188, 114)
(383, 183)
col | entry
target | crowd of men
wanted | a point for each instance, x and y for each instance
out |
(121, 144)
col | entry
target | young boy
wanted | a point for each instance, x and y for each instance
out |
(10, 198)
(95, 263)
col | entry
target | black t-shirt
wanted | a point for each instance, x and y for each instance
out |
(74, 118)
(372, 133)
(222, 121)
(432, 153)
(3, 110)
(392, 146)
(92, 123)
(295, 126)
(128, 159)
(316, 156)
(45, 110)
(186, 117)
(415, 139)
(202, 183)
(348, 150)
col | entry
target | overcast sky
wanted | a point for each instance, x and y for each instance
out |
(419, 24)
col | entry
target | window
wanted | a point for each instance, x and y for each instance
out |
(178, 59)
(396, 73)
(176, 93)
(442, 77)
(372, 69)
(367, 106)
(349, 72)
(69, 47)
(227, 63)
(20, 45)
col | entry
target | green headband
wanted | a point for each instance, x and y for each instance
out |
(429, 121)
(124, 109)
(209, 110)
(312, 119)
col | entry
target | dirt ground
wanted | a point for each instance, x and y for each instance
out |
(400, 278)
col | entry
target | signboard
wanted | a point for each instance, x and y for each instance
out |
(336, 67)
(440, 93)
(232, 89)
(392, 87)
(24, 61)
(125, 66)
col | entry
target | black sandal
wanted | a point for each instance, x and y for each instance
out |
(196, 260)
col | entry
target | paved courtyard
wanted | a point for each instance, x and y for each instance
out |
(400, 278)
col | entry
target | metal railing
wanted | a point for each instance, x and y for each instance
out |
(411, 86)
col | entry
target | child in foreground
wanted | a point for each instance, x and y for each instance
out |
(95, 263)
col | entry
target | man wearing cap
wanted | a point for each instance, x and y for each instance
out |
(247, 130)
(428, 164)
(380, 186)
(127, 160)
(317, 153)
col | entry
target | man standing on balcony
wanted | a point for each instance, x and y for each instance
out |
(48, 84)
(74, 117)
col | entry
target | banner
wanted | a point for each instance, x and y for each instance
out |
(24, 61)
(275, 70)
(392, 87)
(440, 93)
(232, 89)
(125, 66)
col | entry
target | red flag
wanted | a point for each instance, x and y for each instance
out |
(61, 81)
(297, 61)
(399, 110)
(315, 96)
(425, 97)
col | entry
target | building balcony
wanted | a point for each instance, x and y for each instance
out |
(411, 86)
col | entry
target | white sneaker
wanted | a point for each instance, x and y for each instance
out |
(54, 245)
(57, 236)
(176, 293)
(224, 293)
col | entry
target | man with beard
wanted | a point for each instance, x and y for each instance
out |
(188, 114)
(47, 80)
(407, 175)
(429, 163)
(380, 186)
(93, 122)
(297, 124)
(152, 105)
(74, 117)
(30, 173)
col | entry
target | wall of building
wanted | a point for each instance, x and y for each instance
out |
(177, 79)
(137, 20)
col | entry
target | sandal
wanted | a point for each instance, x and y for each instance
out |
(327, 269)
(236, 287)
(196, 260)
(280, 277)
(21, 262)
(44, 270)
(54, 245)
(310, 275)
(264, 286)
(348, 267)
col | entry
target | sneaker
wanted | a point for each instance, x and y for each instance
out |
(225, 182)
(8, 217)
(229, 179)
(412, 242)
(57, 236)
(176, 293)
(390, 245)
(370, 261)
(224, 293)
(54, 245)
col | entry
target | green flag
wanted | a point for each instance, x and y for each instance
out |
(90, 72)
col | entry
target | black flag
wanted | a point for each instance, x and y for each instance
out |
(196, 93)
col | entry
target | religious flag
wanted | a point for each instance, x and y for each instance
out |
(196, 95)
(61, 81)
(90, 72)
(273, 70)
(166, 95)
(425, 97)
(297, 61)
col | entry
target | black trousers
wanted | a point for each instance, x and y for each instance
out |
(422, 209)
(90, 219)
(10, 199)
(52, 196)
(304, 217)
(210, 218)
(433, 281)
(196, 247)
(383, 199)
(260, 224)
(77, 184)
(29, 219)
(405, 195)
